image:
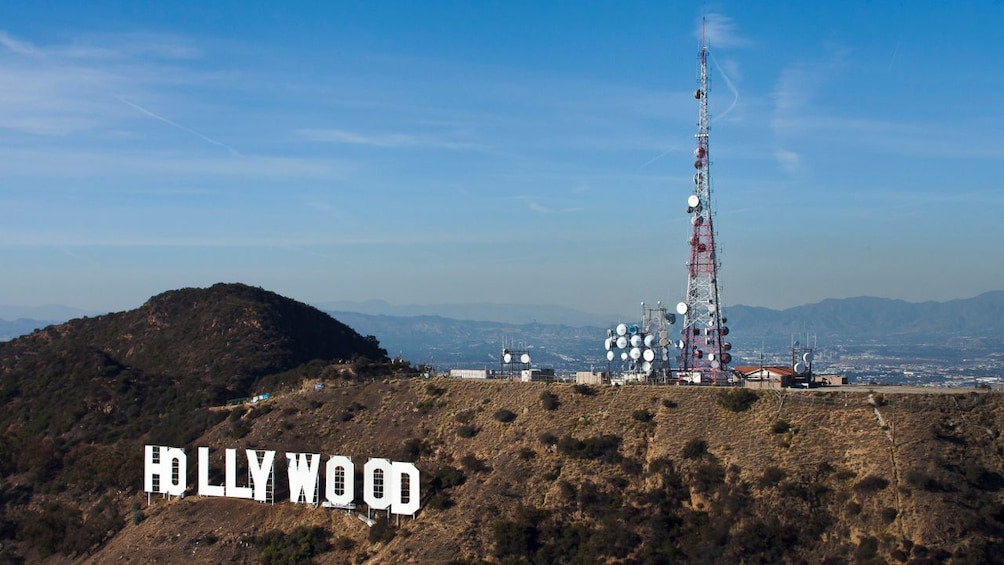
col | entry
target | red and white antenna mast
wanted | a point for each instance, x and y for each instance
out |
(704, 353)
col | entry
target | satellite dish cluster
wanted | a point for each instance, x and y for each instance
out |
(644, 351)
(509, 357)
(803, 365)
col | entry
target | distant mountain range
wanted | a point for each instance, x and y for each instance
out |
(466, 334)
(479, 311)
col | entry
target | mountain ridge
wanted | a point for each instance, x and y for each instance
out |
(510, 472)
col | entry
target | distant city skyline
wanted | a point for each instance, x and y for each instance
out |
(519, 153)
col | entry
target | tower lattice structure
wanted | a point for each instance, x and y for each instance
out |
(703, 349)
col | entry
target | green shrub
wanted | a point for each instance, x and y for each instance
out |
(473, 465)
(780, 426)
(867, 548)
(425, 406)
(467, 431)
(605, 448)
(414, 448)
(668, 403)
(547, 438)
(526, 454)
(889, 515)
(695, 448)
(298, 546)
(921, 480)
(642, 415)
(584, 390)
(464, 416)
(381, 531)
(440, 501)
(738, 399)
(447, 477)
(504, 415)
(772, 476)
(549, 400)
(871, 483)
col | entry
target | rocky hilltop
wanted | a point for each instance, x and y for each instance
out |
(510, 472)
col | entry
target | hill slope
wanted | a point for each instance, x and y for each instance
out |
(625, 475)
(80, 398)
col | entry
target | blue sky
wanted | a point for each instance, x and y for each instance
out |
(512, 152)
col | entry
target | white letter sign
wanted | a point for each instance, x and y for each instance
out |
(165, 469)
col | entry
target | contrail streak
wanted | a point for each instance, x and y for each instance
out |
(179, 126)
(657, 157)
(728, 83)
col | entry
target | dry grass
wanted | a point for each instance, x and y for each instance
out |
(836, 431)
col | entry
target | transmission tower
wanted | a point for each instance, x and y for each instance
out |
(704, 353)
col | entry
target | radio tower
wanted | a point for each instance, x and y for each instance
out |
(704, 353)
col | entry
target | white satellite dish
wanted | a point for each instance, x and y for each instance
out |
(524, 358)
(681, 308)
(712, 308)
(649, 355)
(636, 340)
(693, 201)
(807, 357)
(635, 353)
(624, 356)
(608, 343)
(622, 342)
(507, 358)
(610, 355)
(715, 364)
(646, 367)
(621, 329)
(664, 342)
(711, 356)
(650, 340)
(799, 368)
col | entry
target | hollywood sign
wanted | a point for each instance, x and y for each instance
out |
(387, 485)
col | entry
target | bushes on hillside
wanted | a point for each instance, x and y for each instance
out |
(871, 483)
(738, 399)
(780, 426)
(549, 400)
(695, 448)
(604, 448)
(297, 546)
(504, 415)
(642, 415)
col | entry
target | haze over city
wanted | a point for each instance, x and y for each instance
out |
(524, 152)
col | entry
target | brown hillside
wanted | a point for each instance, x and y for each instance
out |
(80, 399)
(627, 475)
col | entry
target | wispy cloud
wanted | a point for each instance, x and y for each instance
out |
(61, 163)
(721, 31)
(384, 140)
(174, 124)
(787, 160)
(16, 46)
